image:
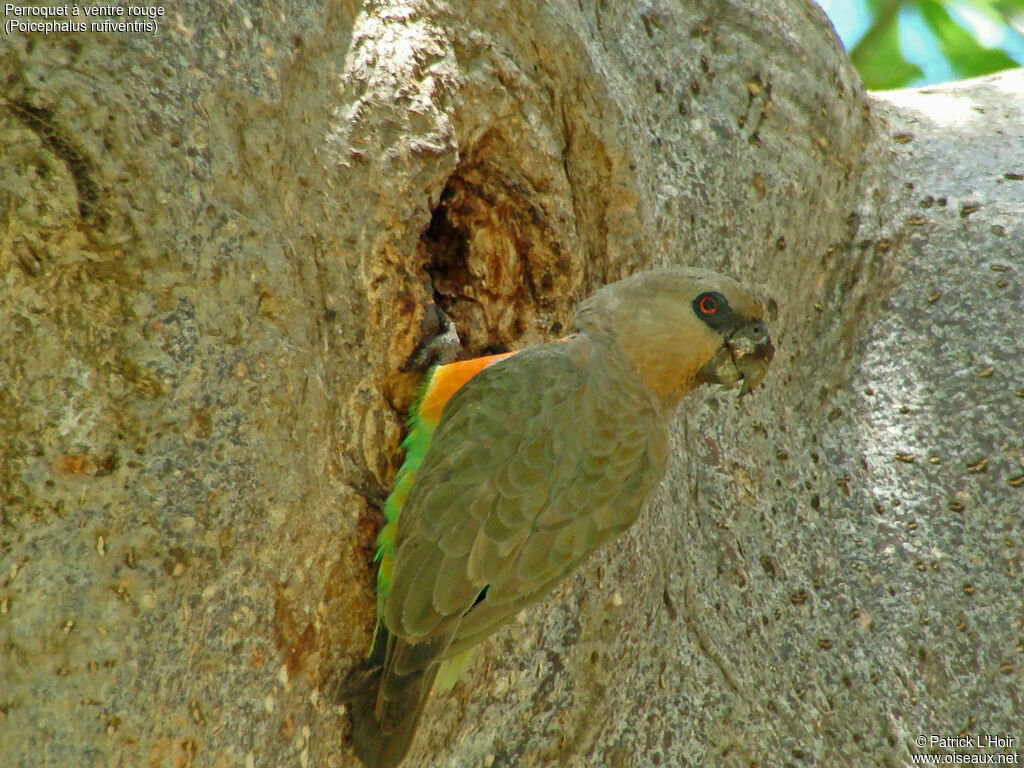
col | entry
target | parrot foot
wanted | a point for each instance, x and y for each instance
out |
(440, 347)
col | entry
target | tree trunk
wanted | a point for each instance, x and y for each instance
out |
(224, 241)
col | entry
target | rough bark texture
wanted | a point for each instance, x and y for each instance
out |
(223, 242)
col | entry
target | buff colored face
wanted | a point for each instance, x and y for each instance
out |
(746, 350)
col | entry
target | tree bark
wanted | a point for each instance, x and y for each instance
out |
(224, 242)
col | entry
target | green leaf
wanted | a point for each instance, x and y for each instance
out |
(1011, 12)
(878, 58)
(965, 54)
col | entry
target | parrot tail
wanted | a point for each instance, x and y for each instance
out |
(385, 717)
(385, 744)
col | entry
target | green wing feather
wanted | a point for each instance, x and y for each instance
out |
(440, 383)
(415, 445)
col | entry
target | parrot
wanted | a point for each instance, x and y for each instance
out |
(520, 465)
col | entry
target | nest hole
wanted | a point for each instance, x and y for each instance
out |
(495, 264)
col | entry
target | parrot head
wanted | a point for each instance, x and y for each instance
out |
(746, 349)
(679, 328)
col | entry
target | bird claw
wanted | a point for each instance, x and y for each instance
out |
(442, 346)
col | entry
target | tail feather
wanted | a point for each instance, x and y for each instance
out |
(385, 717)
(384, 744)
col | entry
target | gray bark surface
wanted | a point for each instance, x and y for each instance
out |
(223, 242)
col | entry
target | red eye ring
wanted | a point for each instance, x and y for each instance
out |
(708, 305)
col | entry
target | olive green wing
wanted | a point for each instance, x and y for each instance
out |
(537, 461)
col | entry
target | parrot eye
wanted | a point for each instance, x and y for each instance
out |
(713, 310)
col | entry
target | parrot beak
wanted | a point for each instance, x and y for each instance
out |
(751, 350)
(743, 357)
(753, 367)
